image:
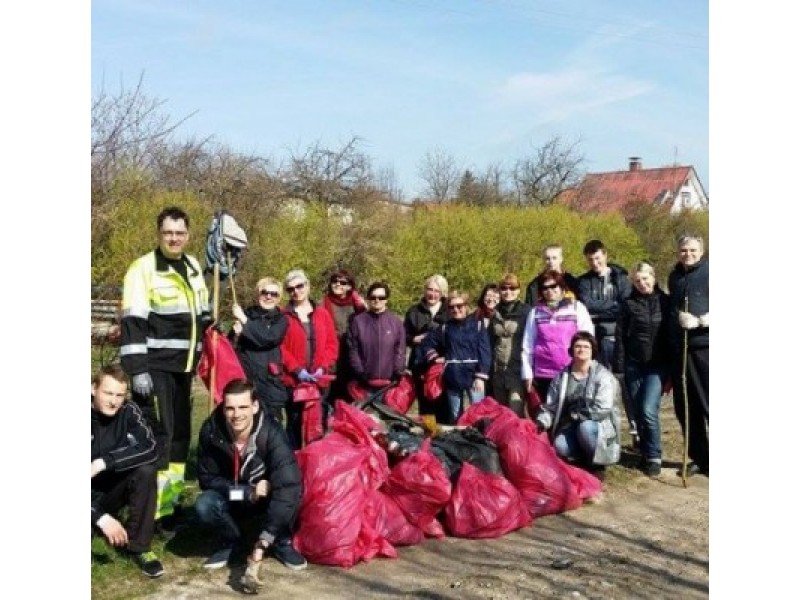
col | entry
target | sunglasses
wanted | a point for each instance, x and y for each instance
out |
(456, 306)
(508, 288)
(297, 287)
(340, 282)
(269, 293)
(552, 286)
(375, 297)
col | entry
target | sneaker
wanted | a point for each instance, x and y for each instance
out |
(149, 564)
(285, 552)
(652, 468)
(693, 469)
(219, 559)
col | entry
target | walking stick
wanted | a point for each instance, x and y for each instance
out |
(685, 397)
(213, 376)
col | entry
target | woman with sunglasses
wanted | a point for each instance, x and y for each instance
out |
(552, 322)
(309, 350)
(257, 334)
(343, 301)
(462, 344)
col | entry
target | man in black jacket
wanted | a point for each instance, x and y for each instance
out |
(123, 470)
(688, 292)
(602, 289)
(246, 468)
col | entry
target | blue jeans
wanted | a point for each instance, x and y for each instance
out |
(644, 389)
(220, 514)
(454, 400)
(578, 440)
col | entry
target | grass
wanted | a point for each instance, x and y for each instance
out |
(115, 577)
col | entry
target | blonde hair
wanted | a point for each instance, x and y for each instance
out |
(458, 295)
(439, 281)
(264, 281)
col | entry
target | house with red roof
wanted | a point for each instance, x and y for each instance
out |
(677, 187)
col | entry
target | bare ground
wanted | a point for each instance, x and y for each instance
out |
(646, 539)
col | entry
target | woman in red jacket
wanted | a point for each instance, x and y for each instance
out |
(309, 352)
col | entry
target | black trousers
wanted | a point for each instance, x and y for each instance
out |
(169, 411)
(136, 489)
(697, 388)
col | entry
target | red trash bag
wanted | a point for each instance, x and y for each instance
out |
(433, 381)
(218, 354)
(389, 521)
(357, 426)
(332, 529)
(312, 427)
(484, 505)
(421, 487)
(401, 397)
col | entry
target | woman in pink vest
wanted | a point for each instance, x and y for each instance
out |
(548, 331)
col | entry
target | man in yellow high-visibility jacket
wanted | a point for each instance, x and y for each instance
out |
(165, 308)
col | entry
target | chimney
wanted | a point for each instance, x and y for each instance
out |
(635, 163)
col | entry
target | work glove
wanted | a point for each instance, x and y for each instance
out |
(703, 319)
(305, 376)
(688, 320)
(143, 384)
(319, 373)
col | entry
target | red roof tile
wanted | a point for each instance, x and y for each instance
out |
(604, 192)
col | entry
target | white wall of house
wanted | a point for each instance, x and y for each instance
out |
(691, 195)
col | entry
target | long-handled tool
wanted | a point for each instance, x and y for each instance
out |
(685, 398)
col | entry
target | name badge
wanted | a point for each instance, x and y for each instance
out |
(236, 493)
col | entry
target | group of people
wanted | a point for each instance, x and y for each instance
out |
(556, 357)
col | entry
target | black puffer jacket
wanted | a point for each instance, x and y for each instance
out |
(642, 334)
(420, 320)
(267, 455)
(259, 350)
(691, 283)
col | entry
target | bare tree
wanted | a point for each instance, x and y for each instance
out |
(129, 129)
(328, 175)
(441, 173)
(554, 167)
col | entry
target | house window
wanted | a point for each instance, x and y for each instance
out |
(686, 197)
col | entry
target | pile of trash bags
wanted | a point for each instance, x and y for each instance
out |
(369, 487)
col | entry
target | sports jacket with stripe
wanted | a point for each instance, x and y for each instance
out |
(162, 315)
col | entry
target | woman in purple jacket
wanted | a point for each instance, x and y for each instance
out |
(376, 342)
(548, 331)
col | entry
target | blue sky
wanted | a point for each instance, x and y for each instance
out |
(486, 81)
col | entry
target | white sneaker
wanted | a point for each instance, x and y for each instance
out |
(218, 560)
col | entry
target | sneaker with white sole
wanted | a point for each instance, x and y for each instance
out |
(149, 564)
(218, 559)
(285, 552)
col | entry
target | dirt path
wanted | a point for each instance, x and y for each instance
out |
(647, 539)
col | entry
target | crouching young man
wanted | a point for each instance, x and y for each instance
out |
(246, 468)
(123, 470)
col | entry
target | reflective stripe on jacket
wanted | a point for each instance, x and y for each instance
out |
(162, 315)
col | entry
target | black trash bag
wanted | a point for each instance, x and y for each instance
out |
(466, 445)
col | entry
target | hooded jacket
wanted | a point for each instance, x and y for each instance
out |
(258, 347)
(464, 344)
(267, 455)
(603, 301)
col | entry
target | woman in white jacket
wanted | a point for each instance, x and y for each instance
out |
(580, 409)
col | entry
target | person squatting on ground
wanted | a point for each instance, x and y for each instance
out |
(642, 355)
(123, 470)
(688, 285)
(601, 289)
(376, 343)
(247, 472)
(257, 334)
(580, 411)
(165, 310)
(343, 301)
(462, 344)
(554, 319)
(505, 340)
(309, 350)
(424, 317)
(553, 258)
